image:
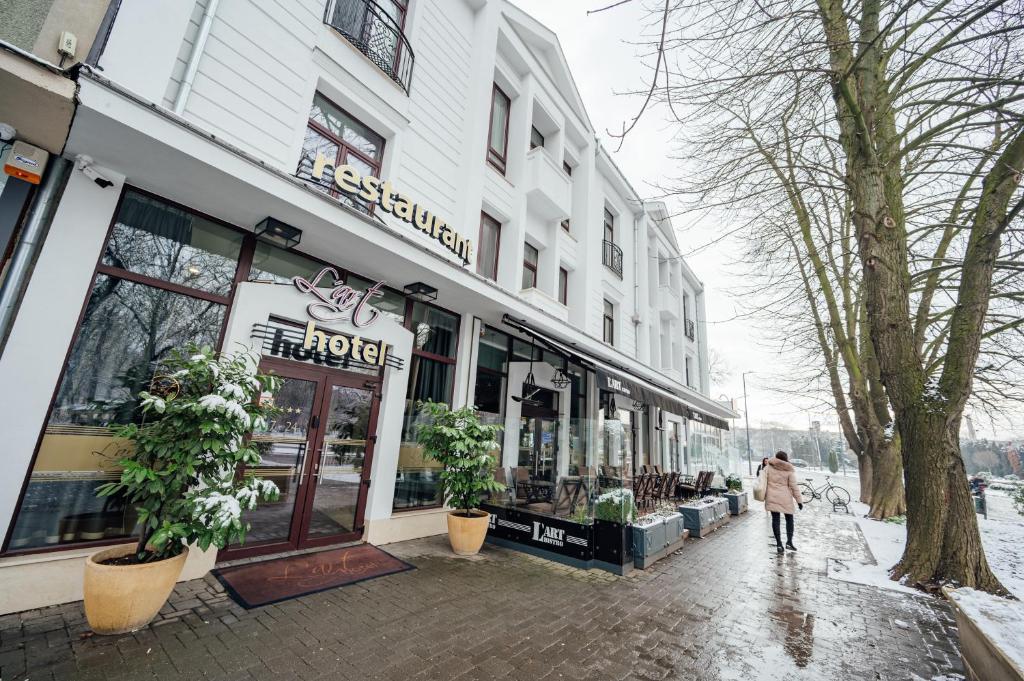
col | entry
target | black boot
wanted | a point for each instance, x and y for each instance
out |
(778, 548)
(789, 545)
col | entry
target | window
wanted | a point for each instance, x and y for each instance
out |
(689, 375)
(609, 323)
(530, 256)
(488, 247)
(343, 140)
(563, 286)
(567, 168)
(431, 377)
(536, 138)
(164, 279)
(565, 225)
(377, 30)
(497, 139)
(492, 374)
(609, 226)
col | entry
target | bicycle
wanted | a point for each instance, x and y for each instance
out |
(834, 494)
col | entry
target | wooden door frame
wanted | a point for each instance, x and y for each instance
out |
(324, 377)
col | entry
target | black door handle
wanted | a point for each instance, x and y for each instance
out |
(314, 422)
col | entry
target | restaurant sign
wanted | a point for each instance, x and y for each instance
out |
(373, 190)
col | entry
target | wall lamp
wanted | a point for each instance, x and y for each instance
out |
(278, 233)
(421, 292)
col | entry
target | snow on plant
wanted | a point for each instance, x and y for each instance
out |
(188, 446)
(616, 506)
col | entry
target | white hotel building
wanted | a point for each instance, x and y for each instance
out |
(205, 119)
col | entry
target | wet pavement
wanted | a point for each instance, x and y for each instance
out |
(722, 608)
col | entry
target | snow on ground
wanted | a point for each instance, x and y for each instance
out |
(1002, 534)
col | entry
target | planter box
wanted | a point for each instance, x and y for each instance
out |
(985, 657)
(701, 518)
(613, 546)
(675, 532)
(648, 543)
(738, 502)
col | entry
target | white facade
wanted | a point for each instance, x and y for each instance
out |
(211, 110)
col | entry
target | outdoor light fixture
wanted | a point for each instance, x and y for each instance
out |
(425, 293)
(278, 233)
(530, 387)
(610, 409)
(560, 380)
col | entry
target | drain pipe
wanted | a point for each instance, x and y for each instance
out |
(192, 67)
(37, 224)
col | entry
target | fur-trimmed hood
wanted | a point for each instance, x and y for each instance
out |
(780, 464)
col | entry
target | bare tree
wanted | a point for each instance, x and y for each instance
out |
(911, 109)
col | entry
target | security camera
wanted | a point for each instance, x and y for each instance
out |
(85, 164)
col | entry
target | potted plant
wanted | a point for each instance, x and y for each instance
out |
(734, 483)
(458, 441)
(182, 478)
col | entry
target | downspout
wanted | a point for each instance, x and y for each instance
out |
(637, 320)
(198, 47)
(37, 224)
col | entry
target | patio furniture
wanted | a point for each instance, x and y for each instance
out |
(522, 481)
(699, 487)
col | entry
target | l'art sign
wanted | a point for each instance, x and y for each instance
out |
(368, 188)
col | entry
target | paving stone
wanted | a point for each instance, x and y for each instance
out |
(723, 607)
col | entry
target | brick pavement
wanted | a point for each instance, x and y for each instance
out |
(721, 608)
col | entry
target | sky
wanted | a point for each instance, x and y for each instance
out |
(605, 64)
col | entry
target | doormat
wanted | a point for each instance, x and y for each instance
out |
(280, 579)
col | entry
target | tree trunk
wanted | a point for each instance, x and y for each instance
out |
(865, 470)
(887, 498)
(943, 542)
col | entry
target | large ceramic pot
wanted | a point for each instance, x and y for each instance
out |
(123, 598)
(466, 534)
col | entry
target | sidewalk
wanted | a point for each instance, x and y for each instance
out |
(725, 607)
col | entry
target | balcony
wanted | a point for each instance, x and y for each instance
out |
(668, 302)
(690, 329)
(611, 256)
(548, 190)
(376, 34)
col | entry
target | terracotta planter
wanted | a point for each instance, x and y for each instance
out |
(466, 535)
(123, 598)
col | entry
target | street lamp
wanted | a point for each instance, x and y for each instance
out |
(746, 417)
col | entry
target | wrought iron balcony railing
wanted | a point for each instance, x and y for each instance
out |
(690, 329)
(376, 34)
(611, 256)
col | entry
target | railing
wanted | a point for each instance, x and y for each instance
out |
(690, 329)
(376, 34)
(611, 256)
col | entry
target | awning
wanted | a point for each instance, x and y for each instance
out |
(618, 380)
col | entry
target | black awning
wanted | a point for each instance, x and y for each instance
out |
(618, 380)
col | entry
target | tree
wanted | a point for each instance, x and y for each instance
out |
(920, 102)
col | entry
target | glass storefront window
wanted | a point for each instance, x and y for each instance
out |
(128, 328)
(164, 242)
(434, 331)
(389, 302)
(270, 263)
(431, 377)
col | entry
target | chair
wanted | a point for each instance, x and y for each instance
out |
(522, 481)
(501, 477)
(695, 488)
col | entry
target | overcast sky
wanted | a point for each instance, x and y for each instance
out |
(603, 64)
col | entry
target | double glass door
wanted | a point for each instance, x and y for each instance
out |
(317, 450)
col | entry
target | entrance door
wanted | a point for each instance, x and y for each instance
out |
(538, 436)
(318, 452)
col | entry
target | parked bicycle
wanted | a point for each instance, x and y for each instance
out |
(834, 494)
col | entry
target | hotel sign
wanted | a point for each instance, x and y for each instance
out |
(381, 192)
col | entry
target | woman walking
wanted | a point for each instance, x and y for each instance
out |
(780, 496)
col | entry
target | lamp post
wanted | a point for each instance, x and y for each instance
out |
(746, 417)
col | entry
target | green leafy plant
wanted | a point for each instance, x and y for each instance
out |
(734, 483)
(616, 506)
(182, 475)
(458, 441)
